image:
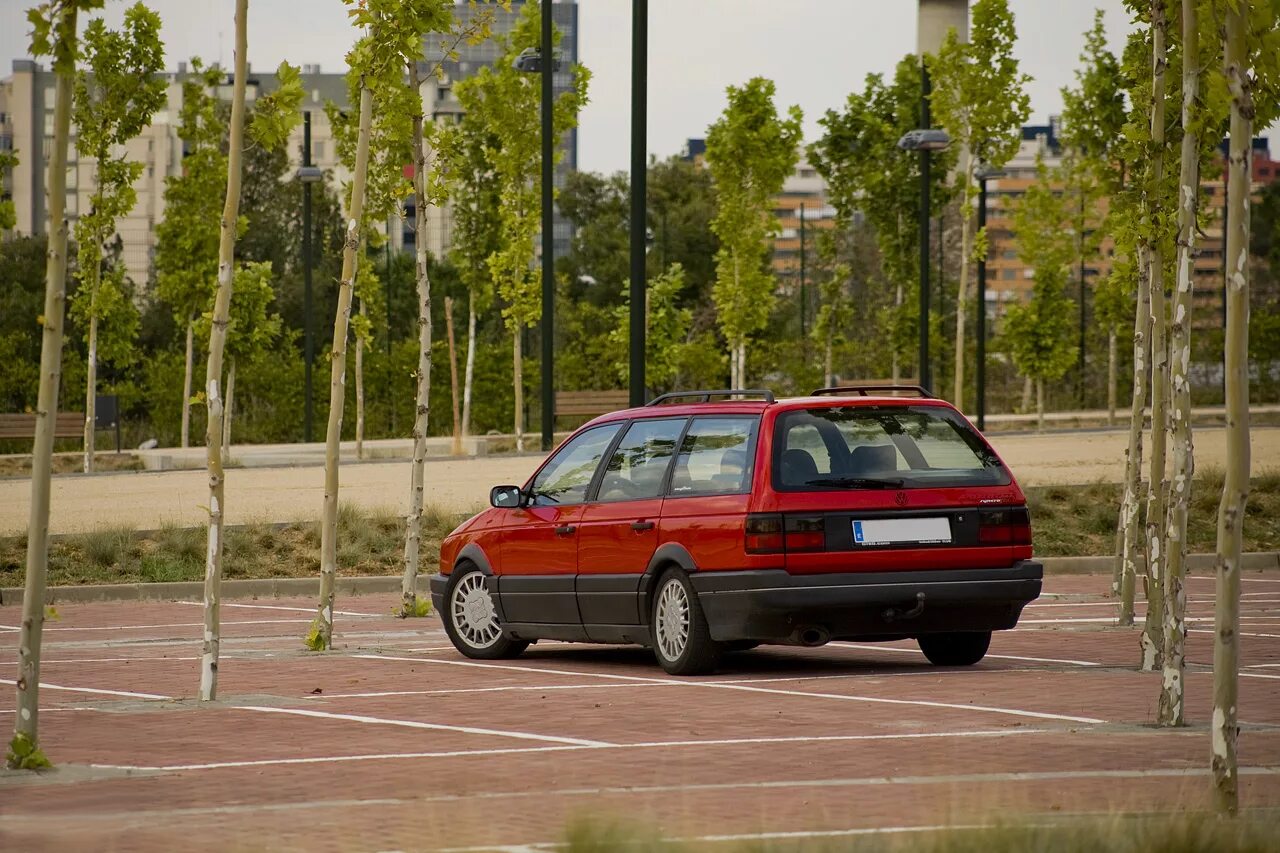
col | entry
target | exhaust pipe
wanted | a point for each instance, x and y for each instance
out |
(814, 636)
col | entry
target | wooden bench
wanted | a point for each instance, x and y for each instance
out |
(590, 403)
(23, 425)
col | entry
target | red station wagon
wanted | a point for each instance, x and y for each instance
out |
(705, 522)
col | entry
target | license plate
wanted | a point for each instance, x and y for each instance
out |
(891, 531)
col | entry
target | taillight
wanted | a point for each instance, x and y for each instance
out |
(764, 533)
(805, 533)
(1004, 526)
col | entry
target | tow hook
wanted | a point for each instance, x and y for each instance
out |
(893, 615)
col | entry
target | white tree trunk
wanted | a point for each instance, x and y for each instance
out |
(453, 376)
(1170, 709)
(1028, 388)
(1039, 405)
(470, 372)
(962, 299)
(898, 296)
(321, 637)
(186, 384)
(1130, 535)
(31, 631)
(1112, 370)
(360, 390)
(213, 373)
(229, 409)
(517, 370)
(413, 527)
(1152, 640)
(91, 388)
(1224, 725)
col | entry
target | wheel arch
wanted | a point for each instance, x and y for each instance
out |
(668, 556)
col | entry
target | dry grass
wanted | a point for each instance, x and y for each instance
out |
(369, 543)
(71, 463)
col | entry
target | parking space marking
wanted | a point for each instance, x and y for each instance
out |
(282, 607)
(879, 700)
(414, 724)
(881, 648)
(152, 659)
(462, 753)
(1258, 675)
(179, 625)
(456, 690)
(44, 685)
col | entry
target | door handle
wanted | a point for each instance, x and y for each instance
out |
(641, 525)
(565, 530)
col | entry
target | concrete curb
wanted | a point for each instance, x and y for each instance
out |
(285, 587)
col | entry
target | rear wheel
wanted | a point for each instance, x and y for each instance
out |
(470, 619)
(962, 648)
(681, 639)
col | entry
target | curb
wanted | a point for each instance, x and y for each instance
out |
(377, 584)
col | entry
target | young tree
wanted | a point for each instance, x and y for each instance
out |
(8, 213)
(115, 95)
(834, 315)
(187, 238)
(750, 151)
(505, 102)
(53, 33)
(1251, 82)
(667, 327)
(274, 116)
(978, 96)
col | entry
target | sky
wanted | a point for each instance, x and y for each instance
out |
(817, 51)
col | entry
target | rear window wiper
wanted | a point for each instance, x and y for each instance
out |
(856, 482)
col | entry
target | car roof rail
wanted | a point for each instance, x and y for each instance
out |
(763, 393)
(871, 390)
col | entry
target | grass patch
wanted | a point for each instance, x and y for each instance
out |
(70, 463)
(369, 543)
(1069, 521)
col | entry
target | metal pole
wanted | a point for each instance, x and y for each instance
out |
(924, 233)
(982, 309)
(1080, 238)
(803, 334)
(639, 110)
(308, 332)
(548, 233)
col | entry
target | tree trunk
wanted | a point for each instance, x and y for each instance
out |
(827, 379)
(897, 304)
(413, 527)
(1152, 641)
(26, 723)
(186, 384)
(321, 637)
(517, 369)
(453, 376)
(213, 372)
(962, 298)
(1128, 523)
(1039, 405)
(1028, 387)
(470, 372)
(229, 409)
(1169, 711)
(1235, 489)
(1112, 369)
(360, 389)
(91, 385)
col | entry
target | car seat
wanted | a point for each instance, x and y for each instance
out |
(869, 459)
(798, 467)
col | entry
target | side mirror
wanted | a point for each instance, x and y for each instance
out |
(505, 497)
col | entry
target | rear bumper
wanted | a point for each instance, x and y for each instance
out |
(774, 606)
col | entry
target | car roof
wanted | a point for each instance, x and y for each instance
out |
(755, 407)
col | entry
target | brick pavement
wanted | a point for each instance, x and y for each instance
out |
(393, 741)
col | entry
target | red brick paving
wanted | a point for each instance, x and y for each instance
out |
(875, 767)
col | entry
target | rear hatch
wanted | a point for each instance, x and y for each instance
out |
(886, 486)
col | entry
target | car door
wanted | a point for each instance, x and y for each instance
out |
(618, 530)
(538, 555)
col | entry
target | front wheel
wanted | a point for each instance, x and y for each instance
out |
(955, 649)
(681, 639)
(470, 619)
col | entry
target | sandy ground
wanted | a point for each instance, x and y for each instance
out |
(145, 500)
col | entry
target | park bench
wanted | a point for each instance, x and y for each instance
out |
(590, 403)
(23, 425)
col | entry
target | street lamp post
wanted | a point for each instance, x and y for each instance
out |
(983, 175)
(924, 140)
(308, 175)
(639, 123)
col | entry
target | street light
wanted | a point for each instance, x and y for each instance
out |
(639, 195)
(924, 140)
(984, 174)
(308, 175)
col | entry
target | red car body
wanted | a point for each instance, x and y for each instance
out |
(770, 548)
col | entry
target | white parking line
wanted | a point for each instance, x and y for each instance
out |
(1242, 633)
(179, 625)
(414, 724)
(1212, 579)
(1014, 712)
(152, 659)
(881, 648)
(282, 607)
(44, 685)
(1258, 675)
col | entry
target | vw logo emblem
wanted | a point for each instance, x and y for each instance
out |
(900, 498)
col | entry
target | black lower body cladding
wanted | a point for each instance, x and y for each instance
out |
(774, 606)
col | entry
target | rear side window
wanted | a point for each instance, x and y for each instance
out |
(638, 465)
(715, 457)
(881, 447)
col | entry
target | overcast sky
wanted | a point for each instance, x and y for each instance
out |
(816, 50)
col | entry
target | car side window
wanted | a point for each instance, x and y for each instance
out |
(715, 457)
(568, 474)
(639, 464)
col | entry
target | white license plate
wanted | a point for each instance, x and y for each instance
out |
(889, 531)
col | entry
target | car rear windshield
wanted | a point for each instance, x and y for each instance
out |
(869, 447)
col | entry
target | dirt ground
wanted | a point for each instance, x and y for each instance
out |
(394, 741)
(146, 500)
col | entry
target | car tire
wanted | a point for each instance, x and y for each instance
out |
(681, 638)
(470, 619)
(961, 648)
